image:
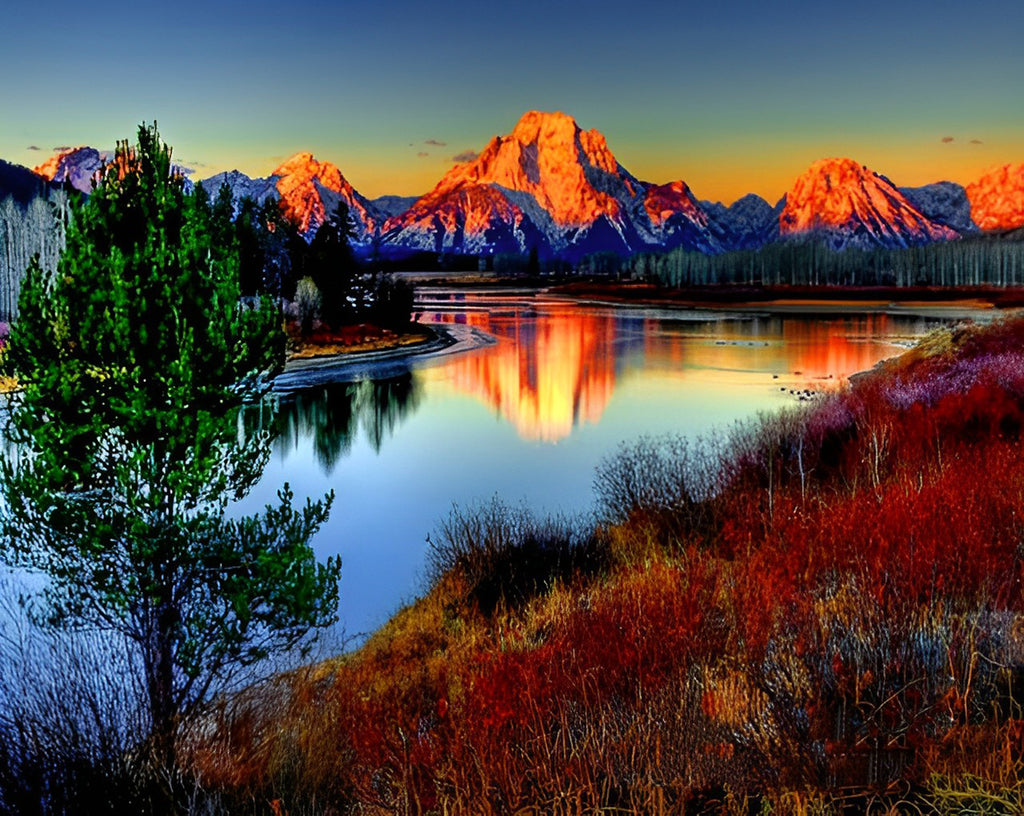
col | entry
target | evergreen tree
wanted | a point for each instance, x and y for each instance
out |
(332, 266)
(253, 247)
(132, 439)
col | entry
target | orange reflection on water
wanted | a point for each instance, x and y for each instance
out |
(555, 369)
(838, 348)
(545, 376)
(807, 349)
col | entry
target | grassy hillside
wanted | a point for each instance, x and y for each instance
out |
(818, 612)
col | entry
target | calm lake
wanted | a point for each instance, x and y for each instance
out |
(529, 417)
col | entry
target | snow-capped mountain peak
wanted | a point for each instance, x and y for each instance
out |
(549, 185)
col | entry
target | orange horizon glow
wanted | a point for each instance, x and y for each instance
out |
(724, 179)
(722, 170)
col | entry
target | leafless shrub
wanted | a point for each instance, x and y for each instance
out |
(671, 482)
(506, 554)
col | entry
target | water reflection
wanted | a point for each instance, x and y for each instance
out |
(333, 415)
(548, 373)
(556, 367)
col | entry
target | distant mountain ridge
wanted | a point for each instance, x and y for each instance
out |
(241, 186)
(748, 223)
(553, 187)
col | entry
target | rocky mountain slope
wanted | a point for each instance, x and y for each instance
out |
(848, 205)
(550, 185)
(997, 198)
(944, 202)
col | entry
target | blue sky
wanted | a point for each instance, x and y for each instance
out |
(729, 96)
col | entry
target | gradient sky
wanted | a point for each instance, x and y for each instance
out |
(732, 96)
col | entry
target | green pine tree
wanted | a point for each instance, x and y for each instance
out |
(132, 439)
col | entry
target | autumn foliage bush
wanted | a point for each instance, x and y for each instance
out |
(821, 613)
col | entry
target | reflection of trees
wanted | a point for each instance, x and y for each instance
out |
(326, 414)
(332, 415)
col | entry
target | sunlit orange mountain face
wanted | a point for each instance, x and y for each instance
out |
(310, 191)
(997, 198)
(849, 205)
(552, 185)
(556, 370)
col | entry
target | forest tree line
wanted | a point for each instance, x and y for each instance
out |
(274, 256)
(996, 260)
(37, 229)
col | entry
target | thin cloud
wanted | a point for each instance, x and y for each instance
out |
(947, 139)
(435, 143)
(977, 141)
(63, 148)
(422, 154)
(34, 147)
(465, 156)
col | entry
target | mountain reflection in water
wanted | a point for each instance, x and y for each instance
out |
(556, 368)
(545, 376)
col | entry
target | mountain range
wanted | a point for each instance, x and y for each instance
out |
(553, 187)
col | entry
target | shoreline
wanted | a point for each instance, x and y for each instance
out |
(411, 339)
(794, 300)
(442, 339)
(301, 373)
